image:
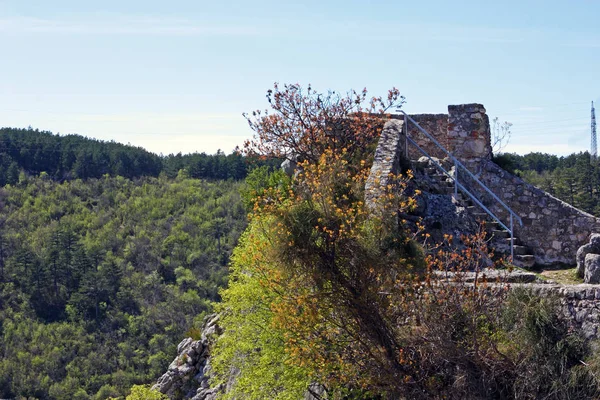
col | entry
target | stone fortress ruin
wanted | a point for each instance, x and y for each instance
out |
(543, 230)
(549, 228)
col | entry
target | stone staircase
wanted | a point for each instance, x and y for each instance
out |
(499, 238)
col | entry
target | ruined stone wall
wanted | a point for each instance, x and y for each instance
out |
(553, 229)
(469, 135)
(386, 163)
(437, 126)
(464, 131)
(580, 304)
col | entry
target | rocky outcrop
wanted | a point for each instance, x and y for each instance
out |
(593, 247)
(441, 216)
(189, 373)
(188, 376)
(592, 268)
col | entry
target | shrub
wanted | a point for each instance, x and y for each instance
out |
(141, 392)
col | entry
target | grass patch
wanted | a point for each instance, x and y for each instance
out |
(562, 275)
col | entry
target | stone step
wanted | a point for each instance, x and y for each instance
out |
(499, 234)
(524, 261)
(520, 250)
(465, 200)
(419, 165)
(503, 245)
(515, 276)
(493, 226)
(481, 216)
(516, 242)
(441, 177)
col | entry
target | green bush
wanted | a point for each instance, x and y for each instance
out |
(550, 358)
(143, 392)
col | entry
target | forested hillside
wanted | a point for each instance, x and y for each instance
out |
(574, 178)
(101, 278)
(72, 156)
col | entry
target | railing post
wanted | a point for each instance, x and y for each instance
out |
(455, 181)
(512, 238)
(406, 138)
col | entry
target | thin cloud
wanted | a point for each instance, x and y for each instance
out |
(122, 25)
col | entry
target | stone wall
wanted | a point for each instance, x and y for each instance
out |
(386, 163)
(553, 229)
(437, 126)
(464, 131)
(469, 136)
(580, 304)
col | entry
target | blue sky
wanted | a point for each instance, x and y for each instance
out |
(176, 76)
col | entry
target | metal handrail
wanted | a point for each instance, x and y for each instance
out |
(457, 185)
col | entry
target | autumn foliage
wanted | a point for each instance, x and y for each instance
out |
(303, 123)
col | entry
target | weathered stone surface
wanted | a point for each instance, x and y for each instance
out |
(592, 268)
(441, 216)
(491, 275)
(580, 304)
(189, 373)
(593, 246)
(553, 229)
(469, 132)
(437, 126)
(289, 167)
(386, 162)
(316, 391)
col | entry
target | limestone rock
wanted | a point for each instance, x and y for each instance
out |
(592, 268)
(315, 391)
(289, 166)
(188, 375)
(593, 246)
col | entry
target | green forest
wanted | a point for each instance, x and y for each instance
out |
(574, 179)
(101, 278)
(76, 157)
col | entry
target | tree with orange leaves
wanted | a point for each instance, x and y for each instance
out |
(303, 123)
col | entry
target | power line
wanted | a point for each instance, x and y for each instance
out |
(556, 129)
(550, 121)
(536, 108)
